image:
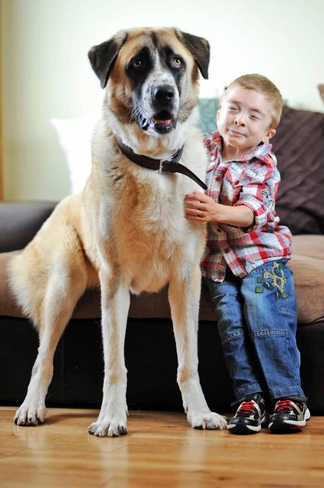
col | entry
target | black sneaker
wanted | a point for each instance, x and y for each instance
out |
(289, 416)
(249, 416)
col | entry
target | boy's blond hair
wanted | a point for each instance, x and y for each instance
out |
(265, 87)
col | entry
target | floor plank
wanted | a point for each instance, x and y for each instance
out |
(160, 450)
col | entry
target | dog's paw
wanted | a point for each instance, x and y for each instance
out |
(208, 420)
(108, 428)
(28, 415)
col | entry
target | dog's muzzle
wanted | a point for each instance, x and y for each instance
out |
(163, 121)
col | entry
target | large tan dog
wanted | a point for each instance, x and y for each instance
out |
(126, 232)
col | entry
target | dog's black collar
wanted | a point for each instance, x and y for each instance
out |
(169, 165)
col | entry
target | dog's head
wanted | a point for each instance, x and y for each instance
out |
(151, 75)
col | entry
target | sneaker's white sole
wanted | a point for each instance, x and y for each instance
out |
(243, 429)
(295, 423)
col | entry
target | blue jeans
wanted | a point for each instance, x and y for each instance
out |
(257, 322)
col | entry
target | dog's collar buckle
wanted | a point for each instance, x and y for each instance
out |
(168, 165)
(160, 170)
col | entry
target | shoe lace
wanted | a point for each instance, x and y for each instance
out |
(284, 406)
(247, 407)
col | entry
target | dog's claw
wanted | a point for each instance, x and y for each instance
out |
(123, 430)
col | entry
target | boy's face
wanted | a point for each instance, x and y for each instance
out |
(244, 119)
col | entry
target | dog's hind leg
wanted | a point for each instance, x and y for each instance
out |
(112, 418)
(184, 297)
(56, 301)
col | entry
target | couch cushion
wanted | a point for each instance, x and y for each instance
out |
(309, 279)
(307, 265)
(308, 246)
(20, 221)
(299, 147)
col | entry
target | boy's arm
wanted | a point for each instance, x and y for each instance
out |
(202, 208)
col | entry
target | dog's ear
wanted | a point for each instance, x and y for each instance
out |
(199, 48)
(103, 57)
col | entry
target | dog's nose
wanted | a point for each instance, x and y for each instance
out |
(163, 94)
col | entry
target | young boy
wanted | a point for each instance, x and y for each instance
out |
(245, 262)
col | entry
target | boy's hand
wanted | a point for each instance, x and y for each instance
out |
(198, 206)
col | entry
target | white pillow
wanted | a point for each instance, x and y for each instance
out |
(75, 139)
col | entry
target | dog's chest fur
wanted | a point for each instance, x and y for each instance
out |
(141, 219)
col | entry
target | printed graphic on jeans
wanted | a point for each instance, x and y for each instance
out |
(273, 280)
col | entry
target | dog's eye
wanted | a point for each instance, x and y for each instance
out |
(177, 62)
(137, 63)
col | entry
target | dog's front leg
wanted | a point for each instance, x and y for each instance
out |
(184, 298)
(115, 300)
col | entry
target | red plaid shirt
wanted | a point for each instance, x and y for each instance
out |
(252, 181)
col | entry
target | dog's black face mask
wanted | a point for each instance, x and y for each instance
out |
(155, 78)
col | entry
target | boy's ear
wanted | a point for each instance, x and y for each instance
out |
(270, 133)
(217, 114)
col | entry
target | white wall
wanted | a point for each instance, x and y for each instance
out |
(46, 72)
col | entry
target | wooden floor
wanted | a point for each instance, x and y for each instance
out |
(160, 450)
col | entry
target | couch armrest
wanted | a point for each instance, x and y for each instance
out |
(20, 221)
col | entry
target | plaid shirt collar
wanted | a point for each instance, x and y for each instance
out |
(260, 152)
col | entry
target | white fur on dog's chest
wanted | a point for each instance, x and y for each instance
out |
(153, 234)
